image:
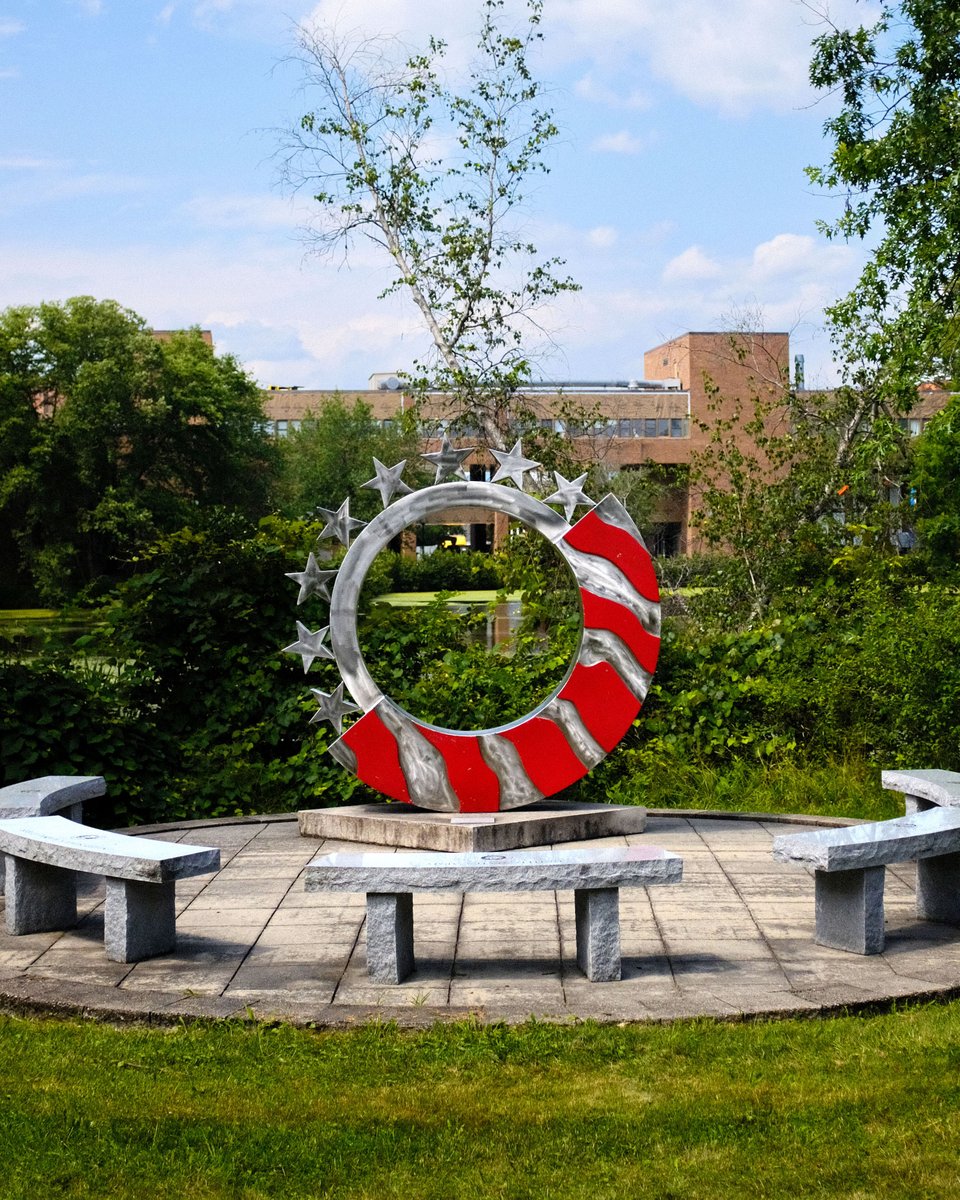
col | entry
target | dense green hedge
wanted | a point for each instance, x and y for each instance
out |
(444, 571)
(189, 708)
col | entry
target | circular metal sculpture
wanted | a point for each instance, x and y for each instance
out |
(566, 735)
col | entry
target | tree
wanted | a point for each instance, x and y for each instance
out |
(896, 159)
(111, 436)
(805, 485)
(935, 475)
(369, 148)
(330, 458)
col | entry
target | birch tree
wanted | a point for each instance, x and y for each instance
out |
(437, 177)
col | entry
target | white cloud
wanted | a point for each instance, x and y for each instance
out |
(738, 56)
(602, 237)
(735, 55)
(692, 264)
(797, 254)
(9, 27)
(622, 142)
(287, 322)
(589, 88)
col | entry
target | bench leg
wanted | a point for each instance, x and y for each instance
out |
(139, 919)
(598, 932)
(39, 897)
(389, 936)
(938, 888)
(849, 910)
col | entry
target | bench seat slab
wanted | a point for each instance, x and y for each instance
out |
(849, 910)
(597, 913)
(389, 936)
(139, 919)
(40, 898)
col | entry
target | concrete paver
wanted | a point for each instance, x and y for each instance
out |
(735, 938)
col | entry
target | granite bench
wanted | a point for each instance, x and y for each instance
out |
(47, 795)
(595, 876)
(42, 857)
(924, 789)
(849, 864)
(50, 794)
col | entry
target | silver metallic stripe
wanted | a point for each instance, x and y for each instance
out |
(342, 753)
(566, 716)
(602, 577)
(503, 758)
(422, 764)
(600, 645)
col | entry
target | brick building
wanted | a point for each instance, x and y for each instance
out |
(654, 420)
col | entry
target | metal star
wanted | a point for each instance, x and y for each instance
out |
(387, 481)
(512, 465)
(313, 581)
(309, 645)
(568, 493)
(332, 708)
(340, 524)
(448, 461)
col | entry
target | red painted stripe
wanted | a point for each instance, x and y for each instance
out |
(475, 784)
(378, 756)
(593, 535)
(546, 755)
(600, 613)
(603, 700)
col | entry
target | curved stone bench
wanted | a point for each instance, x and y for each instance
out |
(594, 876)
(47, 795)
(924, 789)
(43, 855)
(849, 864)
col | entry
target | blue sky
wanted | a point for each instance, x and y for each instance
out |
(137, 162)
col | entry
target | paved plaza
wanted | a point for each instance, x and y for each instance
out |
(734, 938)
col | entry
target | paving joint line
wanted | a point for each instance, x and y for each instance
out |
(756, 924)
(254, 942)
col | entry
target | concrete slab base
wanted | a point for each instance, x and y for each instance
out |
(417, 829)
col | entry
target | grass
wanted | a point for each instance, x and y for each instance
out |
(842, 788)
(851, 1107)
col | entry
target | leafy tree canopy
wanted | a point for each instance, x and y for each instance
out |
(896, 160)
(330, 457)
(936, 479)
(109, 436)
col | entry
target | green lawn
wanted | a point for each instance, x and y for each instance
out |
(853, 1107)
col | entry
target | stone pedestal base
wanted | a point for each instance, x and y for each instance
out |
(417, 829)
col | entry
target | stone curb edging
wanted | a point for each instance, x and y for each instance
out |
(63, 1000)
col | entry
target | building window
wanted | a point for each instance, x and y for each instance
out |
(665, 539)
